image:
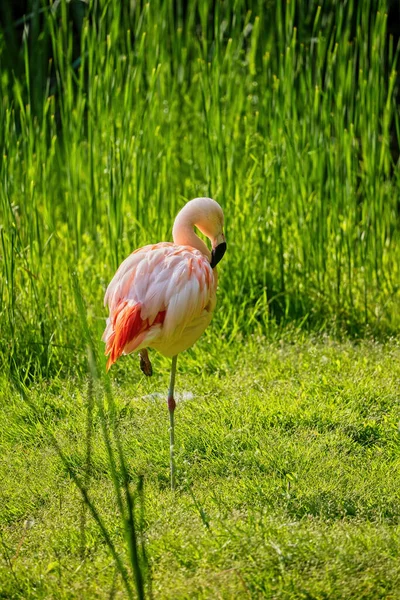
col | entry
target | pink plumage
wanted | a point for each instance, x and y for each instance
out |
(162, 296)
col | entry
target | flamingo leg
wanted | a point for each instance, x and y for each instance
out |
(171, 408)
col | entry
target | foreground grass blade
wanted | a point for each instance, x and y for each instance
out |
(127, 511)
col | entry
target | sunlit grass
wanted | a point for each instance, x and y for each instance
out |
(287, 472)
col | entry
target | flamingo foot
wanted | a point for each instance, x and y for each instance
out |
(145, 363)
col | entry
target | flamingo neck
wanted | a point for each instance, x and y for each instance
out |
(184, 235)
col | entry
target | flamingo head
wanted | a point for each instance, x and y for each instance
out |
(205, 214)
(212, 225)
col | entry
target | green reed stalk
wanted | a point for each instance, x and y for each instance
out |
(287, 117)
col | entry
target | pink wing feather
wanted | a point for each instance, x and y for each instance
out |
(156, 294)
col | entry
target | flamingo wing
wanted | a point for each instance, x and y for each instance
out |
(159, 292)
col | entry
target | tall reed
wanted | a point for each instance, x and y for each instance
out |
(286, 116)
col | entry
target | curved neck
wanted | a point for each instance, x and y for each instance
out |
(183, 235)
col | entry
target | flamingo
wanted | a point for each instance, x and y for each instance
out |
(163, 295)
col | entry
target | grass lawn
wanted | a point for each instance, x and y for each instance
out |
(114, 114)
(287, 468)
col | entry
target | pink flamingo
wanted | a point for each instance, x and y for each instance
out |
(163, 295)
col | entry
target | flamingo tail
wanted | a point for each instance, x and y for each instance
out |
(127, 324)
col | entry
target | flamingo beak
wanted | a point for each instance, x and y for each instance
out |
(218, 250)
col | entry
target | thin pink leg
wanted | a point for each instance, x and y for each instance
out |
(171, 408)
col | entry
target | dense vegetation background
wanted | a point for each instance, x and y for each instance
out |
(114, 114)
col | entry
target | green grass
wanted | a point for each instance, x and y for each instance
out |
(287, 468)
(287, 440)
(284, 115)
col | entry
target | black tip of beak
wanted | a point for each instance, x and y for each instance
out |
(217, 253)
